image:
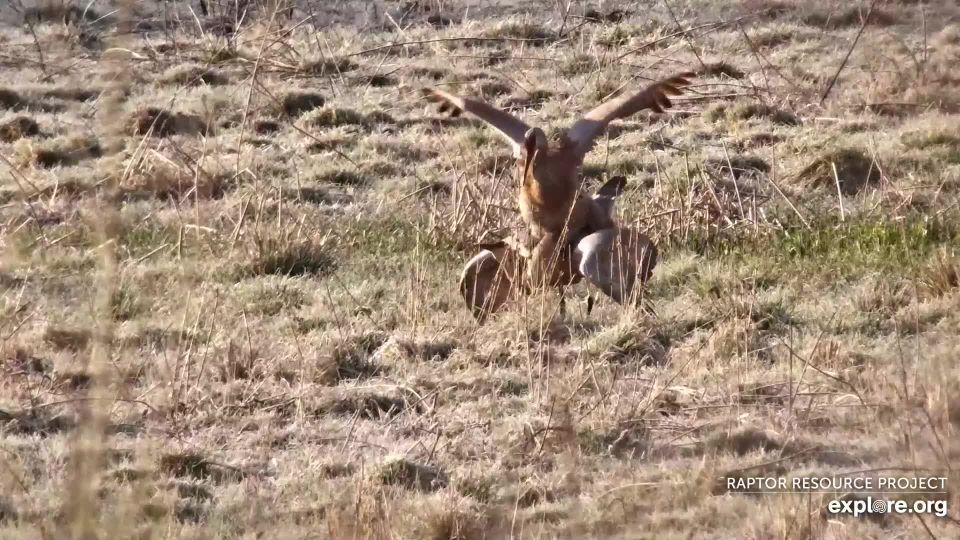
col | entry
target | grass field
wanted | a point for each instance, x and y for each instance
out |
(230, 255)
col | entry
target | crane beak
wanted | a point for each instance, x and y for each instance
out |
(531, 148)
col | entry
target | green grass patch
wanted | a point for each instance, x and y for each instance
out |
(936, 147)
(281, 257)
(830, 247)
(388, 236)
(270, 299)
(877, 243)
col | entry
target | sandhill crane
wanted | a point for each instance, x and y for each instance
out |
(572, 234)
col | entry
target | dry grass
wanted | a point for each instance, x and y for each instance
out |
(849, 170)
(18, 128)
(297, 103)
(62, 151)
(193, 75)
(228, 265)
(163, 123)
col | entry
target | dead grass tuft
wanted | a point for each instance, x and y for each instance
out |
(882, 299)
(855, 170)
(578, 64)
(852, 16)
(720, 69)
(622, 35)
(60, 152)
(429, 350)
(266, 127)
(60, 12)
(40, 423)
(923, 140)
(71, 93)
(741, 165)
(493, 89)
(193, 75)
(941, 275)
(948, 37)
(768, 9)
(533, 495)
(376, 118)
(365, 403)
(12, 100)
(530, 100)
(314, 195)
(327, 117)
(425, 72)
(275, 254)
(772, 38)
(380, 81)
(328, 143)
(531, 33)
(612, 16)
(337, 470)
(635, 346)
(126, 303)
(298, 102)
(163, 123)
(18, 128)
(71, 339)
(328, 66)
(159, 178)
(72, 381)
(449, 520)
(8, 513)
(343, 177)
(220, 55)
(352, 358)
(403, 473)
(439, 21)
(743, 441)
(21, 360)
(626, 440)
(476, 485)
(762, 139)
(743, 110)
(938, 147)
(762, 393)
(379, 168)
(953, 411)
(192, 465)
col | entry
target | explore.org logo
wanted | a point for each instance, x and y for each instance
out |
(869, 505)
(856, 495)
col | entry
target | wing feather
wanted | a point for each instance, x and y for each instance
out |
(654, 97)
(511, 128)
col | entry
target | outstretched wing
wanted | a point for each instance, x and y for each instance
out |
(510, 127)
(654, 97)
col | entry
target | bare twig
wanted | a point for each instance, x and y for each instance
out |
(836, 179)
(843, 64)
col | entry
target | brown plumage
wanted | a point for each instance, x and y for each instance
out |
(556, 212)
